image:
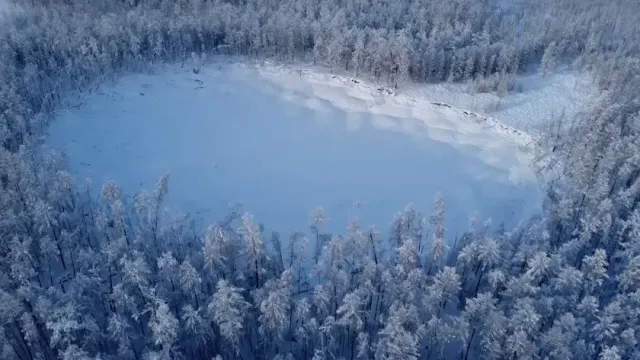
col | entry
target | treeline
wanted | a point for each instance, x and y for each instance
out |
(118, 278)
(53, 47)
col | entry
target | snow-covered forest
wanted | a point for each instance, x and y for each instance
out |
(112, 278)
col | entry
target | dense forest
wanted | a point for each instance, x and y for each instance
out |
(117, 277)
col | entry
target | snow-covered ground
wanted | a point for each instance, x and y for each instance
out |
(282, 144)
(541, 98)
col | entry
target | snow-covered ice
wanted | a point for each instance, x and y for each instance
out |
(457, 127)
(282, 145)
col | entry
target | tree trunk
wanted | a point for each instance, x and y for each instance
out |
(466, 352)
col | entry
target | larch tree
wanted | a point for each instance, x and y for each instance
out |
(254, 245)
(275, 309)
(395, 340)
(228, 310)
(439, 247)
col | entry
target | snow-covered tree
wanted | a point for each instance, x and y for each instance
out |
(396, 341)
(549, 59)
(228, 310)
(255, 249)
(439, 247)
(275, 309)
(164, 327)
(190, 280)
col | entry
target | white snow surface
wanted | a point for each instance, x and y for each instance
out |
(283, 144)
(542, 99)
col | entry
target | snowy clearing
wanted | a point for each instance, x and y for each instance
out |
(282, 145)
(542, 99)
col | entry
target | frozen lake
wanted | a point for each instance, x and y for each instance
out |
(235, 136)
